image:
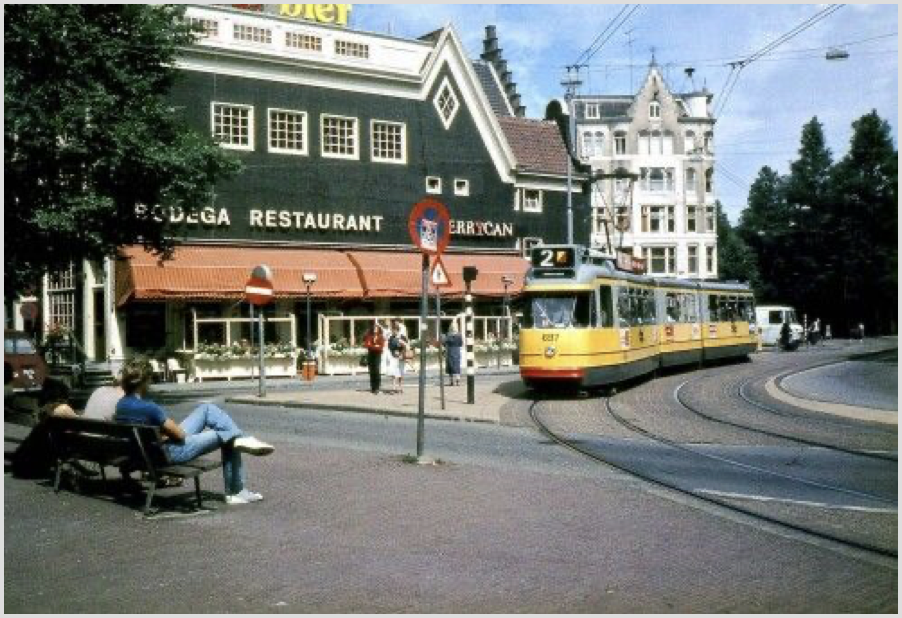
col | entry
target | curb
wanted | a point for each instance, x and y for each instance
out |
(355, 409)
(883, 417)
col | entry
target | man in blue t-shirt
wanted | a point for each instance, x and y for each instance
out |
(206, 429)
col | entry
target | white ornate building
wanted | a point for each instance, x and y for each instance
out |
(667, 213)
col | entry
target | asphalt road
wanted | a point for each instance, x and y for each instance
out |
(508, 522)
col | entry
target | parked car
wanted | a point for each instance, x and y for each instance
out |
(770, 320)
(21, 356)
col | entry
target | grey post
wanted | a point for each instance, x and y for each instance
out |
(470, 273)
(421, 410)
(438, 334)
(571, 83)
(262, 392)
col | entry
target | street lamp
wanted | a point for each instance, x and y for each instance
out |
(309, 280)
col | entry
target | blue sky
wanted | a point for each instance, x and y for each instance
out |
(773, 98)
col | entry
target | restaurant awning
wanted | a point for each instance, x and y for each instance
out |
(212, 273)
(220, 273)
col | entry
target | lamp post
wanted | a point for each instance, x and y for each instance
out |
(571, 82)
(309, 280)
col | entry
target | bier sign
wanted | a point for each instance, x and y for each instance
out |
(629, 263)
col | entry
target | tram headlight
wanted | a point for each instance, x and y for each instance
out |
(550, 351)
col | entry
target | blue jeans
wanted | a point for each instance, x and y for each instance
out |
(209, 428)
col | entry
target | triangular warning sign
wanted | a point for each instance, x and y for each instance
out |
(440, 277)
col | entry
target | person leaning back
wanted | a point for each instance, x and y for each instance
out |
(206, 429)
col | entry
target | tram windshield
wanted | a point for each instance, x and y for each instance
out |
(558, 310)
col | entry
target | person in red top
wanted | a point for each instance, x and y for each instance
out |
(374, 342)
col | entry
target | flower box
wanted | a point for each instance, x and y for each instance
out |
(206, 367)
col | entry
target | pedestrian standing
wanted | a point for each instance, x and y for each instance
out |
(399, 346)
(453, 345)
(374, 342)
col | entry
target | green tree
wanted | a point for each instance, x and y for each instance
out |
(89, 136)
(734, 258)
(763, 228)
(865, 189)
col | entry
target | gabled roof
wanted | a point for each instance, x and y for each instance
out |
(492, 88)
(537, 144)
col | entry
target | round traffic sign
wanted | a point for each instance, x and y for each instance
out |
(258, 291)
(429, 225)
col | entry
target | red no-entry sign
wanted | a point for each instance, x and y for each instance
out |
(258, 291)
(429, 225)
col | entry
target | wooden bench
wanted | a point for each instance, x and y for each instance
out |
(133, 447)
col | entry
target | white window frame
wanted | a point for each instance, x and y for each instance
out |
(322, 138)
(266, 34)
(363, 48)
(305, 134)
(592, 111)
(690, 257)
(528, 243)
(437, 181)
(210, 27)
(654, 110)
(446, 85)
(521, 200)
(669, 259)
(300, 37)
(461, 187)
(376, 159)
(620, 139)
(710, 251)
(250, 125)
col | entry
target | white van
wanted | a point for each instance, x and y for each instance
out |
(770, 320)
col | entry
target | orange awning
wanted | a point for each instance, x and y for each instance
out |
(398, 275)
(220, 273)
(212, 273)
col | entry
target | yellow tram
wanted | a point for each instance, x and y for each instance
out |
(587, 323)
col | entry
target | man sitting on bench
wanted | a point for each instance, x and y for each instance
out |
(206, 429)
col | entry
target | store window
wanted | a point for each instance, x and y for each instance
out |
(287, 131)
(233, 125)
(339, 137)
(446, 103)
(251, 34)
(389, 141)
(299, 40)
(145, 326)
(351, 49)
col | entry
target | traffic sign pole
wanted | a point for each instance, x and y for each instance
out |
(421, 410)
(438, 334)
(262, 388)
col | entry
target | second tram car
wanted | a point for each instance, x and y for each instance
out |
(587, 323)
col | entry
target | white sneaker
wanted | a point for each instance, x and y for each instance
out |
(253, 446)
(245, 496)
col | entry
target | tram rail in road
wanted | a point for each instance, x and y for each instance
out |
(722, 499)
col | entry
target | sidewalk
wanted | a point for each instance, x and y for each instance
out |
(493, 394)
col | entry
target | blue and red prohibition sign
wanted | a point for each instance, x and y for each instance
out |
(429, 225)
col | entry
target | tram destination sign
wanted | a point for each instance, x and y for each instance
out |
(554, 257)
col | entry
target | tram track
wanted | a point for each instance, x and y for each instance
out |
(656, 480)
(681, 400)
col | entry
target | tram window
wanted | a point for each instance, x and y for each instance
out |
(649, 315)
(690, 307)
(672, 311)
(606, 319)
(624, 307)
(713, 308)
(559, 311)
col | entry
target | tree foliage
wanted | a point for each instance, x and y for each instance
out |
(89, 135)
(734, 257)
(825, 235)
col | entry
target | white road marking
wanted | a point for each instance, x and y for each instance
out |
(823, 505)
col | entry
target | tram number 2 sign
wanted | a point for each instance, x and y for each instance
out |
(544, 257)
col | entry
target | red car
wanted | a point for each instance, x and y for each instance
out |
(21, 357)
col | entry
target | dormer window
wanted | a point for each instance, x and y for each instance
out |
(654, 110)
(592, 111)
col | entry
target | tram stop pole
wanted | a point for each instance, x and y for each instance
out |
(470, 273)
